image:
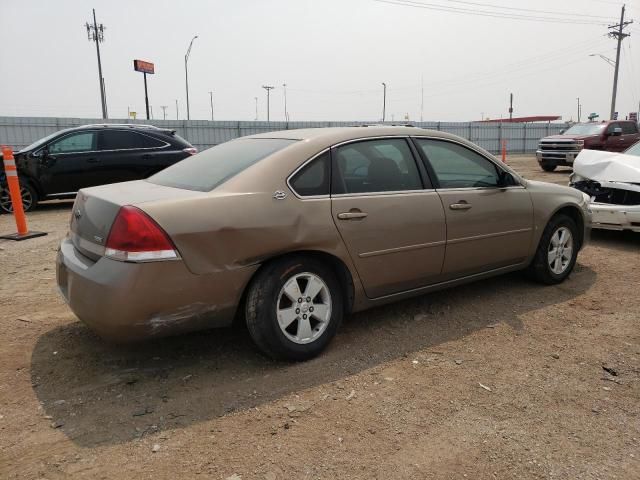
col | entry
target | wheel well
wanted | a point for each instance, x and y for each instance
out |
(338, 267)
(575, 214)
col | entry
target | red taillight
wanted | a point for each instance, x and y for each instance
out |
(190, 150)
(135, 237)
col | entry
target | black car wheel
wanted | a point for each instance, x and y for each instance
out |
(548, 167)
(28, 194)
(294, 308)
(557, 251)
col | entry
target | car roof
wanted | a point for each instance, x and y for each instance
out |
(332, 135)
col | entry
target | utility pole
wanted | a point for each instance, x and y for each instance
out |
(511, 107)
(95, 33)
(384, 101)
(286, 115)
(164, 111)
(256, 99)
(177, 112)
(151, 108)
(211, 100)
(268, 89)
(617, 33)
(422, 98)
(186, 73)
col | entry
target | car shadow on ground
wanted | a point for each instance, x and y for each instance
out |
(99, 394)
(625, 241)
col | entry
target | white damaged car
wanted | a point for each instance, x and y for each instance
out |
(612, 180)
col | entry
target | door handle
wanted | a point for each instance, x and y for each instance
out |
(460, 206)
(351, 215)
(146, 155)
(93, 160)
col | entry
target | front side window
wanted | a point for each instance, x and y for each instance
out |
(74, 143)
(212, 167)
(456, 166)
(369, 166)
(612, 127)
(314, 178)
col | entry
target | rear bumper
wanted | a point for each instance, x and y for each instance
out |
(615, 217)
(134, 301)
(557, 158)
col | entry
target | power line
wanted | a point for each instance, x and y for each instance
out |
(571, 14)
(485, 13)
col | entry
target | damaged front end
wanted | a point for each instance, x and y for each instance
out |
(612, 181)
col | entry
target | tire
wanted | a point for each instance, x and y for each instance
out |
(548, 167)
(273, 295)
(29, 198)
(551, 268)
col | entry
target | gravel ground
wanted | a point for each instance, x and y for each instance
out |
(499, 379)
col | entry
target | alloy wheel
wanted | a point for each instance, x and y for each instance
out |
(5, 199)
(560, 250)
(304, 308)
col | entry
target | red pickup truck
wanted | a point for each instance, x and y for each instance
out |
(611, 136)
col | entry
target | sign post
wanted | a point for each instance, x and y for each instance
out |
(144, 67)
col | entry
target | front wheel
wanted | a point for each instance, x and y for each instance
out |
(294, 308)
(28, 194)
(557, 251)
(548, 167)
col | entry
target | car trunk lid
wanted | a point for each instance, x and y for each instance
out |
(96, 208)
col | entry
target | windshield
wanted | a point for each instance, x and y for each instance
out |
(205, 171)
(593, 129)
(633, 150)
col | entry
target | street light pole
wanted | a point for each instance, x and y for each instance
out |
(578, 99)
(256, 99)
(286, 115)
(211, 99)
(268, 89)
(384, 100)
(186, 73)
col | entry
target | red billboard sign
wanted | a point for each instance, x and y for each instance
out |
(143, 66)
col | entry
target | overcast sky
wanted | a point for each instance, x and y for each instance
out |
(332, 54)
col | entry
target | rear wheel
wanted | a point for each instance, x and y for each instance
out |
(294, 308)
(557, 252)
(548, 167)
(28, 194)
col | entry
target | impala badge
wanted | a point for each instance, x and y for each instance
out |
(279, 195)
(77, 214)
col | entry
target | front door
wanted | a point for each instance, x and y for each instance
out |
(388, 215)
(489, 222)
(64, 163)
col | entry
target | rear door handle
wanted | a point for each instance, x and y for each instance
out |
(351, 215)
(93, 160)
(460, 206)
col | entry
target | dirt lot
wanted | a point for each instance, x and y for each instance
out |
(501, 379)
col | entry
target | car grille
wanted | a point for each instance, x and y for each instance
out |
(559, 146)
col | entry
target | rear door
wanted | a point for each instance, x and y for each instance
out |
(64, 164)
(126, 155)
(488, 226)
(388, 214)
(629, 134)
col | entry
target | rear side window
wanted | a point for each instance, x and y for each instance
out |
(207, 170)
(629, 128)
(314, 178)
(456, 166)
(369, 166)
(126, 140)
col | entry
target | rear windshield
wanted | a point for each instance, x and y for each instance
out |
(585, 129)
(212, 167)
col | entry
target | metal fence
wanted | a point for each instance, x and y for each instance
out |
(521, 137)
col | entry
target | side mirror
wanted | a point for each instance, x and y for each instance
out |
(505, 179)
(562, 131)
